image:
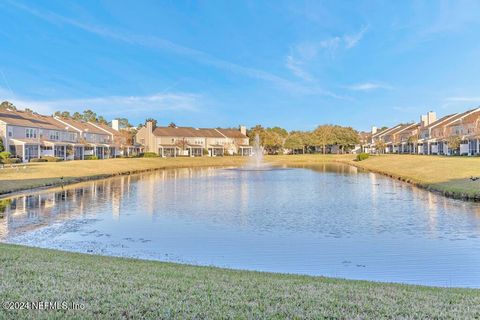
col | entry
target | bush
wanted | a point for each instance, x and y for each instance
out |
(91, 158)
(11, 160)
(5, 155)
(149, 155)
(38, 160)
(50, 159)
(362, 156)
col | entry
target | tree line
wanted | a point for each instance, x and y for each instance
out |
(276, 140)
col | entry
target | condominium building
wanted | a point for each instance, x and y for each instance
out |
(188, 141)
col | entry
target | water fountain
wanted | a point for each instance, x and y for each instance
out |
(255, 162)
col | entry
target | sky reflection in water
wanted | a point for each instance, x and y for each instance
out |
(327, 220)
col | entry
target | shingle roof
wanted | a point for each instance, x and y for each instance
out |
(439, 121)
(27, 119)
(232, 133)
(177, 132)
(461, 115)
(82, 125)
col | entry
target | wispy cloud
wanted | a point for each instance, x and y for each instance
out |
(161, 44)
(302, 54)
(369, 86)
(353, 39)
(113, 105)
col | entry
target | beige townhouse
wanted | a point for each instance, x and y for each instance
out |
(187, 141)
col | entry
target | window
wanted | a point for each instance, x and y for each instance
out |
(31, 133)
(54, 135)
(10, 133)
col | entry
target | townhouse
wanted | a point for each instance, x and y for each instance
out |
(28, 135)
(432, 136)
(187, 141)
(123, 144)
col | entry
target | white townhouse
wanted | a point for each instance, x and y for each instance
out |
(95, 141)
(28, 135)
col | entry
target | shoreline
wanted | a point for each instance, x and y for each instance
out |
(281, 160)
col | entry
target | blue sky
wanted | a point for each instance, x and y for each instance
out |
(224, 63)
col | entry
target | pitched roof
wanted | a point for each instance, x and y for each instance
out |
(104, 127)
(232, 133)
(81, 125)
(461, 115)
(177, 132)
(27, 119)
(440, 121)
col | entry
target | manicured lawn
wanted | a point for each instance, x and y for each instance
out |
(116, 288)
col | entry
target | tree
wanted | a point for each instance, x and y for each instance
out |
(102, 120)
(77, 116)
(294, 141)
(380, 146)
(344, 137)
(89, 115)
(324, 136)
(7, 105)
(62, 114)
(453, 143)
(123, 123)
(413, 141)
(2, 146)
(252, 132)
(153, 121)
(172, 125)
(272, 141)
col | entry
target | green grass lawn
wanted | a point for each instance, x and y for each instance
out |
(116, 288)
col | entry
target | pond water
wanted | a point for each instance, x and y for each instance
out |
(331, 220)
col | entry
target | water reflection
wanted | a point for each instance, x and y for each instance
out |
(331, 219)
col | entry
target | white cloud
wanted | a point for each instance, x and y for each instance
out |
(113, 105)
(353, 39)
(369, 86)
(302, 53)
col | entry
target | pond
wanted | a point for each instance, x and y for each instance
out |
(331, 220)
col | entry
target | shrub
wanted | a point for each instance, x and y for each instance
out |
(11, 160)
(205, 152)
(38, 160)
(362, 156)
(149, 155)
(5, 155)
(50, 159)
(91, 158)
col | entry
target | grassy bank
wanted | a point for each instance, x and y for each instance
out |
(116, 288)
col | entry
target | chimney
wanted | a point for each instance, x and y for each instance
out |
(149, 126)
(431, 117)
(243, 130)
(423, 120)
(374, 130)
(115, 125)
